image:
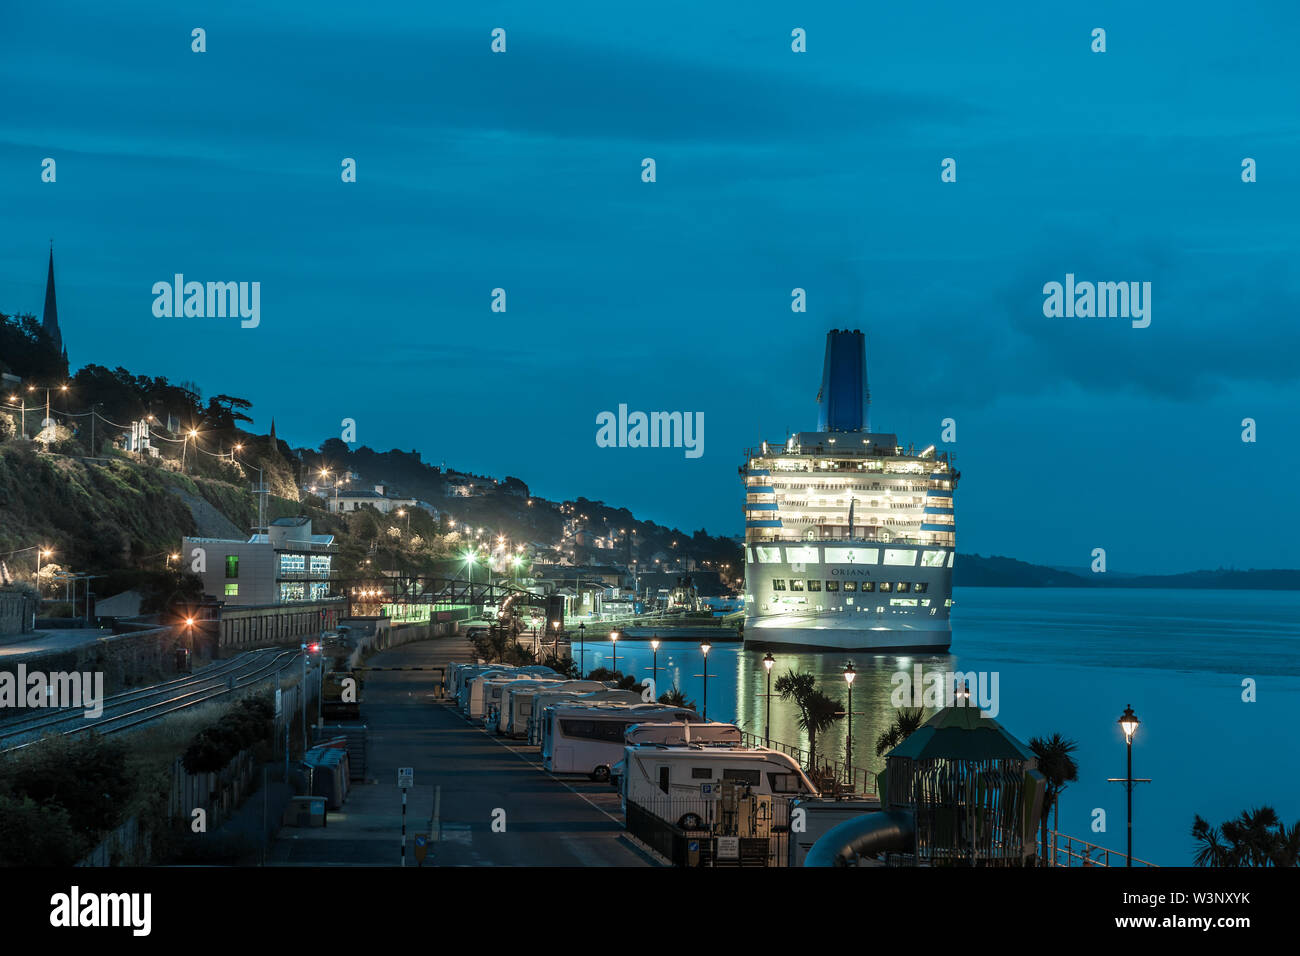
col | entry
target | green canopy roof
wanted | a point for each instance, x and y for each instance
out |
(960, 733)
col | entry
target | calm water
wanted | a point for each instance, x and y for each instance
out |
(1068, 661)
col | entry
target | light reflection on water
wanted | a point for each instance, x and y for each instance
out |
(1068, 661)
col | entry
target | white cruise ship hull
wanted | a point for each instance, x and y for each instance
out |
(899, 600)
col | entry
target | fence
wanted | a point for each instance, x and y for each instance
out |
(1065, 850)
(124, 846)
(698, 831)
(833, 778)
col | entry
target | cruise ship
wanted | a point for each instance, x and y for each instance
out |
(849, 536)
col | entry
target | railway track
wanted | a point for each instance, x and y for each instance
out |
(134, 708)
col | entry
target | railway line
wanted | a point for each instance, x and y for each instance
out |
(134, 708)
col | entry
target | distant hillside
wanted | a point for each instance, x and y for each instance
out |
(975, 571)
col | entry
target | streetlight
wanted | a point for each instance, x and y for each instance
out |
(613, 643)
(1129, 723)
(768, 661)
(654, 673)
(849, 674)
(582, 648)
(705, 647)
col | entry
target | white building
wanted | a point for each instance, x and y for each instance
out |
(285, 565)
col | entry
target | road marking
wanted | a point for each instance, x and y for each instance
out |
(538, 766)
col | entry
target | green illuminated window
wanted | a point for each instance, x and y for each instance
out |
(232, 565)
(232, 590)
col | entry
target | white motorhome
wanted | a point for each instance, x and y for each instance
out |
(548, 697)
(475, 688)
(518, 702)
(587, 736)
(688, 780)
(674, 734)
(494, 696)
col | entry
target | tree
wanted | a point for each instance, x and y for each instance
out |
(1057, 765)
(1256, 837)
(908, 721)
(817, 712)
(675, 698)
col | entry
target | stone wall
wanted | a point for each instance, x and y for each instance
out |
(17, 613)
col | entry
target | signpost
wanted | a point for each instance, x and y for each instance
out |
(406, 779)
(728, 848)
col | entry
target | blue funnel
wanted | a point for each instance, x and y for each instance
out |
(844, 401)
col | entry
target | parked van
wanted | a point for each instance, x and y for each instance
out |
(518, 702)
(688, 778)
(587, 736)
(494, 696)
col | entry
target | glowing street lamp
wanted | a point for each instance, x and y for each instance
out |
(613, 643)
(849, 674)
(1129, 723)
(654, 673)
(705, 647)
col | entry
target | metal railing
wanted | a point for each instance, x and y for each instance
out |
(1065, 850)
(832, 777)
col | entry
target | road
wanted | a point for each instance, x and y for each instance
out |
(498, 808)
(46, 642)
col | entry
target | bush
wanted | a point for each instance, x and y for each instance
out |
(36, 835)
(87, 777)
(247, 723)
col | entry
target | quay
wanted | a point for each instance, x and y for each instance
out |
(546, 821)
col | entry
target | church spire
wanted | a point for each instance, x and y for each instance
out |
(50, 318)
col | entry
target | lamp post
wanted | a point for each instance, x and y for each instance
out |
(768, 661)
(613, 643)
(849, 674)
(705, 647)
(582, 648)
(654, 670)
(1129, 723)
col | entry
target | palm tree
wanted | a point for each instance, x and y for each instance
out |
(817, 712)
(1212, 850)
(675, 698)
(1057, 765)
(1256, 837)
(822, 713)
(905, 724)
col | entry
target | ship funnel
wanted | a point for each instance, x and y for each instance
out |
(844, 400)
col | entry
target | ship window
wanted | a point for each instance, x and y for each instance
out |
(901, 557)
(832, 585)
(920, 587)
(778, 584)
(886, 587)
(850, 585)
(902, 587)
(933, 559)
(796, 584)
(814, 585)
(868, 585)
(768, 555)
(701, 773)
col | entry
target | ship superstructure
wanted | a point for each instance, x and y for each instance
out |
(849, 537)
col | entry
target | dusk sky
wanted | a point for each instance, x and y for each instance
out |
(775, 170)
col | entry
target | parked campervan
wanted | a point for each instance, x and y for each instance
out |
(688, 778)
(495, 693)
(549, 696)
(518, 702)
(472, 697)
(587, 736)
(674, 734)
